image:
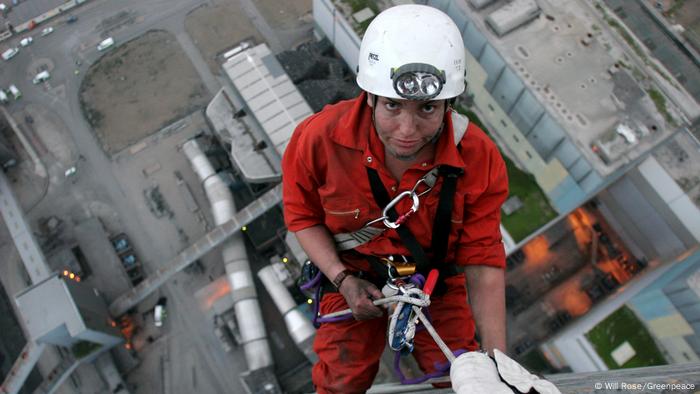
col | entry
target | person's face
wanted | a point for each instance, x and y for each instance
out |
(406, 126)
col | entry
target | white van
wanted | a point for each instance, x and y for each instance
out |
(10, 53)
(41, 77)
(15, 92)
(105, 44)
(159, 312)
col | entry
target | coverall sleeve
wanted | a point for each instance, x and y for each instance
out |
(480, 242)
(301, 202)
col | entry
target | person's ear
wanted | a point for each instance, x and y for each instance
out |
(370, 100)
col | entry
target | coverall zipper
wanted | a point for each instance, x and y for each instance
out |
(355, 212)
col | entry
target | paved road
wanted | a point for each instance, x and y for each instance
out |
(98, 184)
(28, 9)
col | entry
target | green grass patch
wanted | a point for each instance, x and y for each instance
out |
(362, 27)
(623, 326)
(84, 348)
(535, 362)
(358, 5)
(536, 211)
(660, 103)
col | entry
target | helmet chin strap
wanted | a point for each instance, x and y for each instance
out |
(433, 139)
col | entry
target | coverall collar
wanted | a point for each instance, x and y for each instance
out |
(356, 131)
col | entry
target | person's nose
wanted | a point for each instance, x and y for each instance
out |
(407, 124)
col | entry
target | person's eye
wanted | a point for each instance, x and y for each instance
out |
(429, 108)
(391, 106)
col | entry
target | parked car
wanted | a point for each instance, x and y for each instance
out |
(10, 53)
(47, 31)
(15, 92)
(3, 97)
(121, 243)
(72, 19)
(129, 261)
(106, 43)
(159, 312)
(70, 172)
(26, 41)
(41, 77)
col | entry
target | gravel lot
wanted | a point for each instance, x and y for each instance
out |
(139, 87)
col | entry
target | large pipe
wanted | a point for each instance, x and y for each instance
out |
(300, 328)
(245, 299)
(17, 375)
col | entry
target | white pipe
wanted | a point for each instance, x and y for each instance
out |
(300, 328)
(245, 299)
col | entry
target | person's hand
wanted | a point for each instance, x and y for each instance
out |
(359, 293)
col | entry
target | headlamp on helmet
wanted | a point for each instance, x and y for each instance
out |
(418, 81)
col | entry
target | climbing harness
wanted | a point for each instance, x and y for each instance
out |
(348, 241)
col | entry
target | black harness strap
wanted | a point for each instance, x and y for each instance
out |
(441, 224)
(382, 198)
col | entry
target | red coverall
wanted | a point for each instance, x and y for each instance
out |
(325, 183)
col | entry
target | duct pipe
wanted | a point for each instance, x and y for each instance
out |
(245, 299)
(300, 328)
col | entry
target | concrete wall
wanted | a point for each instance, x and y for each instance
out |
(654, 215)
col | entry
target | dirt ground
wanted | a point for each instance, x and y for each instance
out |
(139, 87)
(284, 15)
(688, 16)
(218, 26)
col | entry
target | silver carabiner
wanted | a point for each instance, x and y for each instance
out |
(392, 203)
(379, 219)
(415, 187)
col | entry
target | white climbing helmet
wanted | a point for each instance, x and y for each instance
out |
(412, 52)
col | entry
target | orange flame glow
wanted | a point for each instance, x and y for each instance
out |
(537, 251)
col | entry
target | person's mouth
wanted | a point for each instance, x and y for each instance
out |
(405, 143)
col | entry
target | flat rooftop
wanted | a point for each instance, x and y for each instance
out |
(573, 62)
(272, 99)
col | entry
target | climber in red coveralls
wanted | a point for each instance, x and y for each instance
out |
(399, 142)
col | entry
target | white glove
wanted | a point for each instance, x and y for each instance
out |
(517, 376)
(476, 372)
